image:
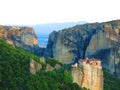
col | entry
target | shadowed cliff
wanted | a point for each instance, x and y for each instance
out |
(70, 44)
(95, 40)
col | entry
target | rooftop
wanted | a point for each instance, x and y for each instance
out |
(92, 61)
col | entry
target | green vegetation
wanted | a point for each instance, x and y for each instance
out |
(15, 75)
(110, 81)
(53, 62)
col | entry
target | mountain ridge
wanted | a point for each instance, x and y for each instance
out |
(88, 40)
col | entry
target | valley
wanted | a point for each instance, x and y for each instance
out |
(47, 60)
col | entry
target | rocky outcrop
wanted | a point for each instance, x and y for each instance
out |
(34, 66)
(96, 40)
(105, 45)
(88, 73)
(57, 66)
(42, 60)
(49, 67)
(19, 36)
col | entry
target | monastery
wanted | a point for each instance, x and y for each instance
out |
(88, 73)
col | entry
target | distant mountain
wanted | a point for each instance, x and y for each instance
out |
(49, 27)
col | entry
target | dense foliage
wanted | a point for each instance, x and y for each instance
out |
(110, 81)
(53, 62)
(15, 75)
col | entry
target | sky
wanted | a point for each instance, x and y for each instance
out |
(29, 12)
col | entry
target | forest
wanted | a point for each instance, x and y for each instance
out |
(15, 74)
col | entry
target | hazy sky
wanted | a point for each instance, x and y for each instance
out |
(50, 11)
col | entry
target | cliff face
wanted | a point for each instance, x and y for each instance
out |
(89, 74)
(19, 36)
(105, 45)
(77, 75)
(70, 44)
(96, 40)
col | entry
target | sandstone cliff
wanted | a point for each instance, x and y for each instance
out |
(88, 73)
(19, 36)
(96, 40)
(105, 45)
